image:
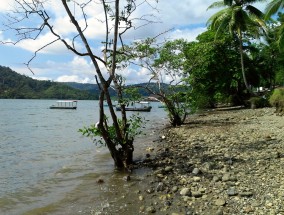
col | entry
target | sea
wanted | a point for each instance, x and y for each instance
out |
(48, 167)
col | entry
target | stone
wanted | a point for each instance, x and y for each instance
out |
(216, 178)
(220, 202)
(160, 187)
(226, 177)
(232, 191)
(196, 194)
(196, 171)
(150, 209)
(127, 178)
(174, 189)
(168, 168)
(196, 179)
(246, 194)
(185, 192)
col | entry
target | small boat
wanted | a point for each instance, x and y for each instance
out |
(66, 104)
(106, 104)
(137, 106)
(163, 105)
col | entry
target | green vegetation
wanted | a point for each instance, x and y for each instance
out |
(228, 64)
(16, 86)
(277, 100)
(237, 18)
(272, 8)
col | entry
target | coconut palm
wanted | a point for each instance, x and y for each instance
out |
(273, 7)
(238, 17)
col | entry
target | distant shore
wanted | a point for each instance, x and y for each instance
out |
(219, 162)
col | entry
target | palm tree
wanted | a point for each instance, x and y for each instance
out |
(273, 7)
(238, 17)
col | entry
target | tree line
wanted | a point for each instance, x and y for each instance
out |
(16, 86)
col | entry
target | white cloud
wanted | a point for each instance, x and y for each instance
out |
(185, 12)
(187, 34)
(187, 18)
(6, 5)
(72, 78)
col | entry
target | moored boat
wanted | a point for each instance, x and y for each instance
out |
(66, 104)
(137, 106)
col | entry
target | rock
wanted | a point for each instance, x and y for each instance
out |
(185, 192)
(196, 179)
(248, 209)
(174, 189)
(232, 191)
(100, 181)
(141, 198)
(168, 168)
(150, 209)
(216, 178)
(160, 176)
(226, 177)
(196, 171)
(160, 187)
(219, 212)
(196, 194)
(127, 178)
(220, 202)
(246, 194)
(167, 203)
(150, 190)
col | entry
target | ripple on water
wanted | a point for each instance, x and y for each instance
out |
(48, 167)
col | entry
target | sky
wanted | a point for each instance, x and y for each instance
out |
(186, 19)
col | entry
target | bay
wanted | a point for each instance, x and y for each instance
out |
(48, 167)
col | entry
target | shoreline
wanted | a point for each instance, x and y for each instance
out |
(219, 162)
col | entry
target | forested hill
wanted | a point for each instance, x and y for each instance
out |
(16, 86)
(93, 88)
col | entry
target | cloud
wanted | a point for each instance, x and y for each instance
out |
(6, 5)
(187, 34)
(185, 12)
(186, 19)
(73, 78)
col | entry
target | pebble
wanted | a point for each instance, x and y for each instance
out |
(150, 209)
(232, 191)
(213, 163)
(195, 171)
(185, 192)
(220, 202)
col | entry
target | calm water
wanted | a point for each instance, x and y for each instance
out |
(47, 167)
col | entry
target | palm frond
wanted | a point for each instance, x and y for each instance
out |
(249, 2)
(215, 18)
(228, 2)
(254, 11)
(280, 40)
(217, 4)
(273, 7)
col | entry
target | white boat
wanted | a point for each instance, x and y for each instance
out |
(66, 104)
(137, 106)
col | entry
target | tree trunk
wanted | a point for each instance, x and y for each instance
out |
(242, 62)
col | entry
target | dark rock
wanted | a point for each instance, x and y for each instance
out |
(127, 178)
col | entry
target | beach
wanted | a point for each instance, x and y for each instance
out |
(219, 162)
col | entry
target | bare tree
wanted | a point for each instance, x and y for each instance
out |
(118, 18)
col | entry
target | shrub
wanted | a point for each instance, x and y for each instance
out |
(277, 100)
(258, 102)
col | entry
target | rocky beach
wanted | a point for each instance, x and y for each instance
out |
(219, 162)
